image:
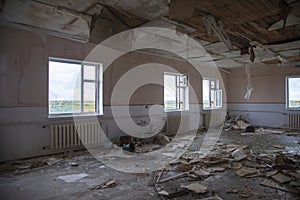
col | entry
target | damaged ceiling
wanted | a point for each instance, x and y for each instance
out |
(234, 32)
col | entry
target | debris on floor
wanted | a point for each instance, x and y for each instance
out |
(196, 187)
(271, 165)
(106, 184)
(72, 177)
(74, 164)
(273, 184)
(236, 124)
(193, 170)
(244, 172)
(52, 161)
(23, 166)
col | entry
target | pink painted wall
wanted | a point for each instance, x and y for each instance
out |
(268, 83)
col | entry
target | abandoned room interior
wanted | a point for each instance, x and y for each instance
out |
(150, 99)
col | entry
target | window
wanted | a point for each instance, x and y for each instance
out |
(176, 94)
(212, 95)
(293, 93)
(74, 87)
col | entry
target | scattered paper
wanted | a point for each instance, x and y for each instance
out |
(196, 187)
(72, 177)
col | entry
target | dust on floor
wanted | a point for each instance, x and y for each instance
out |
(256, 166)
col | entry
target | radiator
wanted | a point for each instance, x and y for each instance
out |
(294, 120)
(66, 136)
(173, 122)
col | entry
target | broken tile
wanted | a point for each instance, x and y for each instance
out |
(245, 171)
(295, 183)
(196, 187)
(238, 155)
(216, 169)
(72, 177)
(281, 178)
(271, 173)
(273, 184)
(295, 174)
(202, 172)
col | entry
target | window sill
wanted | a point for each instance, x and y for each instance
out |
(167, 111)
(70, 116)
(212, 108)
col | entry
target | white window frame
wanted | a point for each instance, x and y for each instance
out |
(287, 100)
(216, 103)
(98, 90)
(179, 85)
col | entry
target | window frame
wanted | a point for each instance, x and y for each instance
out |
(186, 92)
(287, 99)
(217, 91)
(98, 88)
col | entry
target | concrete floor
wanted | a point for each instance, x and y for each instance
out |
(42, 182)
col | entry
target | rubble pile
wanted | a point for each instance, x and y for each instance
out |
(188, 174)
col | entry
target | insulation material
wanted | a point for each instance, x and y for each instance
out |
(249, 87)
